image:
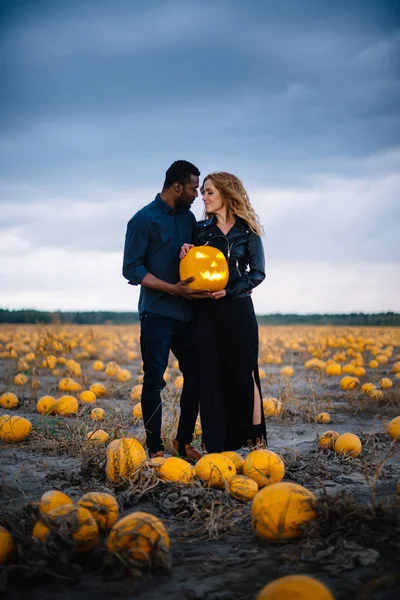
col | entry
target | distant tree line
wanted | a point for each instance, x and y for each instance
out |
(120, 318)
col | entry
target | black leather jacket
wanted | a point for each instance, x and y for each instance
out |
(243, 250)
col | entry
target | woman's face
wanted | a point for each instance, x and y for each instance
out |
(211, 197)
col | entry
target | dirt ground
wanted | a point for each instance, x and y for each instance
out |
(353, 546)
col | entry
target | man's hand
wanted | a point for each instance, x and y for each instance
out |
(182, 289)
(185, 249)
(217, 295)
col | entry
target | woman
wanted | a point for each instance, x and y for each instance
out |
(227, 332)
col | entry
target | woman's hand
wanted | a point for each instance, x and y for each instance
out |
(218, 295)
(185, 249)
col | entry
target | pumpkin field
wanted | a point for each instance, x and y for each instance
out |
(84, 513)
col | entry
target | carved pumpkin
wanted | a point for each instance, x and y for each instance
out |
(280, 511)
(6, 545)
(242, 487)
(99, 389)
(327, 440)
(99, 436)
(66, 406)
(14, 429)
(324, 417)
(53, 499)
(215, 469)
(45, 405)
(9, 400)
(295, 587)
(208, 266)
(124, 456)
(140, 535)
(235, 458)
(103, 507)
(70, 521)
(348, 444)
(98, 414)
(177, 470)
(264, 466)
(394, 429)
(88, 397)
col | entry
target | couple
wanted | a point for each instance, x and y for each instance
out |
(214, 336)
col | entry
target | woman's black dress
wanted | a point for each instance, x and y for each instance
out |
(227, 342)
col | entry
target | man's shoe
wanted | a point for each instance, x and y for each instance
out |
(186, 451)
(159, 454)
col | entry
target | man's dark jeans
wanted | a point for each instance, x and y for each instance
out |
(159, 335)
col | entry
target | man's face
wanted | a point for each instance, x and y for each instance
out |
(188, 192)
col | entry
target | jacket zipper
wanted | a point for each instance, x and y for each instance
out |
(227, 241)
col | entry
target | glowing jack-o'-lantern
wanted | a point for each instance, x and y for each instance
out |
(208, 266)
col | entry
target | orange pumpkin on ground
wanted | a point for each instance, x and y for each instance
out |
(20, 379)
(98, 436)
(53, 499)
(14, 429)
(394, 429)
(139, 534)
(215, 469)
(327, 439)
(6, 545)
(235, 458)
(45, 405)
(9, 400)
(272, 407)
(103, 507)
(177, 470)
(295, 587)
(208, 266)
(99, 389)
(137, 411)
(66, 406)
(324, 417)
(279, 511)
(88, 397)
(242, 487)
(124, 457)
(98, 414)
(264, 466)
(348, 444)
(71, 522)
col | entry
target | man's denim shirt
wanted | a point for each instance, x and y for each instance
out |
(153, 241)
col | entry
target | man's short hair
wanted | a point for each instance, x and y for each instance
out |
(180, 172)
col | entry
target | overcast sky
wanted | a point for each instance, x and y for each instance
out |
(299, 98)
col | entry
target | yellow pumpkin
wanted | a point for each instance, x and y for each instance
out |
(396, 368)
(6, 545)
(98, 365)
(99, 389)
(367, 388)
(139, 534)
(208, 266)
(295, 587)
(88, 397)
(333, 370)
(103, 507)
(20, 379)
(394, 429)
(287, 371)
(264, 466)
(348, 444)
(272, 407)
(280, 511)
(137, 411)
(215, 469)
(376, 394)
(177, 470)
(9, 400)
(324, 417)
(53, 499)
(49, 362)
(99, 436)
(136, 392)
(124, 456)
(373, 364)
(235, 458)
(71, 522)
(45, 405)
(98, 414)
(157, 461)
(349, 369)
(66, 406)
(124, 375)
(14, 429)
(359, 372)
(242, 487)
(327, 440)
(386, 383)
(67, 384)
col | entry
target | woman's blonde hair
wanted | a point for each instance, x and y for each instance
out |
(235, 198)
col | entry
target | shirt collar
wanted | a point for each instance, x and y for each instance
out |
(163, 205)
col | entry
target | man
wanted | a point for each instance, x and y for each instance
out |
(153, 241)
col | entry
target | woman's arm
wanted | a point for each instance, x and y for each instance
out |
(256, 274)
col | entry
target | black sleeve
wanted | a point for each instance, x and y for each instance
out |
(256, 274)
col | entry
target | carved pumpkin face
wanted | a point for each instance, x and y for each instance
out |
(208, 266)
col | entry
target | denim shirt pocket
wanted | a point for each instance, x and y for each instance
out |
(161, 234)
